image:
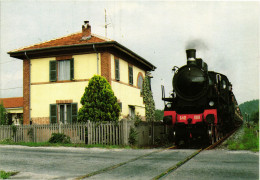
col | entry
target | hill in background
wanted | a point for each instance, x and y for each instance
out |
(249, 107)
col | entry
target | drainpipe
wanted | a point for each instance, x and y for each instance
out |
(97, 59)
(29, 86)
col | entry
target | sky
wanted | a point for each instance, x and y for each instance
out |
(225, 35)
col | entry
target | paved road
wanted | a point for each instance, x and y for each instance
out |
(219, 165)
(68, 163)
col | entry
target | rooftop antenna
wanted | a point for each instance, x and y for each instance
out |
(106, 22)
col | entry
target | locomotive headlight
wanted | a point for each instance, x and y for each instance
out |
(169, 105)
(211, 103)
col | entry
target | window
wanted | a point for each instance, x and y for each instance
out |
(224, 84)
(130, 72)
(117, 71)
(62, 70)
(131, 111)
(140, 82)
(63, 113)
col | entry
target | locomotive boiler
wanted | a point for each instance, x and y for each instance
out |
(202, 104)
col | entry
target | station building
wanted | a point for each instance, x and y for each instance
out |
(56, 72)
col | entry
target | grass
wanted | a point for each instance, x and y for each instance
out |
(6, 175)
(248, 141)
(47, 144)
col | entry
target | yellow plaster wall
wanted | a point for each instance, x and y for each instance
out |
(85, 66)
(128, 95)
(44, 95)
(40, 69)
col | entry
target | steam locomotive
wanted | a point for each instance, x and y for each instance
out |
(202, 104)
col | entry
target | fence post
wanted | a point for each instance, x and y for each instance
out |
(124, 132)
(89, 132)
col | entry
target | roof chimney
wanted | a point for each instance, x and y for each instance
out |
(86, 31)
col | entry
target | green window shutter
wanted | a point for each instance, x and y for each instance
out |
(69, 113)
(53, 113)
(71, 69)
(117, 71)
(130, 69)
(53, 71)
(74, 112)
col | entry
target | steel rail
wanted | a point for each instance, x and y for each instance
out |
(109, 168)
(180, 163)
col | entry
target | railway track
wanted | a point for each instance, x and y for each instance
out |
(166, 172)
(171, 169)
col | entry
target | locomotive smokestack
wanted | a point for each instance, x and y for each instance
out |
(191, 54)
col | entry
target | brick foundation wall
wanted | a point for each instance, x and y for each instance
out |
(41, 120)
(106, 66)
(26, 90)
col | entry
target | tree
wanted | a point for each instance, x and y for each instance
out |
(148, 100)
(98, 102)
(158, 114)
(255, 117)
(3, 115)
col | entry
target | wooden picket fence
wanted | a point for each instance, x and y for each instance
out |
(89, 133)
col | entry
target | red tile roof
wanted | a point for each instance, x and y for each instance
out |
(73, 39)
(12, 102)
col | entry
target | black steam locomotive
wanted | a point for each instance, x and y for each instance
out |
(202, 104)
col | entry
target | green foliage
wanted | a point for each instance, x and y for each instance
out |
(7, 141)
(148, 100)
(59, 138)
(3, 115)
(98, 102)
(6, 175)
(132, 136)
(249, 107)
(249, 140)
(137, 119)
(255, 117)
(158, 114)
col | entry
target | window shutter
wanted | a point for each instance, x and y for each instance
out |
(71, 69)
(69, 118)
(53, 113)
(74, 112)
(117, 71)
(130, 69)
(53, 71)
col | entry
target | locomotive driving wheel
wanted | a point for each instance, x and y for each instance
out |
(211, 132)
(217, 133)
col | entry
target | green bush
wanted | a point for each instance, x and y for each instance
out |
(59, 138)
(132, 136)
(99, 102)
(137, 119)
(148, 100)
